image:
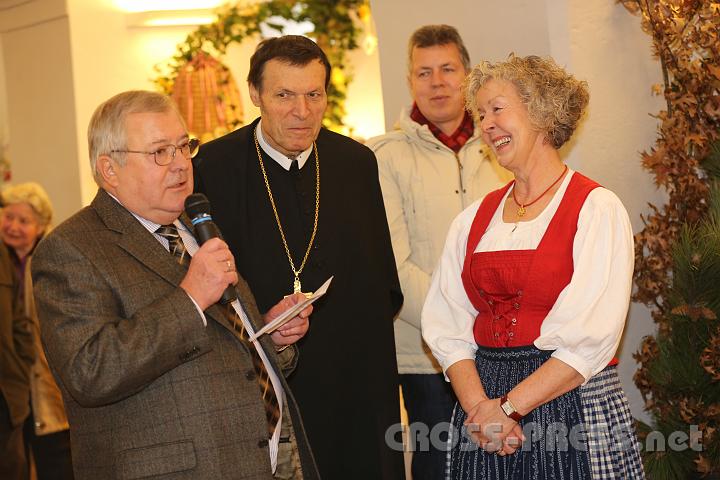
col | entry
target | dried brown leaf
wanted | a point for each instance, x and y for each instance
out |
(710, 356)
(687, 311)
(703, 464)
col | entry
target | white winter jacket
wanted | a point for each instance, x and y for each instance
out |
(425, 185)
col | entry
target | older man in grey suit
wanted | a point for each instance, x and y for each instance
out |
(158, 378)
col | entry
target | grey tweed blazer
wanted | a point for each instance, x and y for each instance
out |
(149, 391)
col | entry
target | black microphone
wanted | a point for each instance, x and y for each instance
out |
(197, 208)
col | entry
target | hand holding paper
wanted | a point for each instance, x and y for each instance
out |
(291, 313)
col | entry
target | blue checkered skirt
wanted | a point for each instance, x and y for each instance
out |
(587, 433)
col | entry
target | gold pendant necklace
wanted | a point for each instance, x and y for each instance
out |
(521, 206)
(297, 286)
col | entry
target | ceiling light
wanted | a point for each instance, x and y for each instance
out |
(132, 6)
(170, 18)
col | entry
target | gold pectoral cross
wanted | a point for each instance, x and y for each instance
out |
(297, 288)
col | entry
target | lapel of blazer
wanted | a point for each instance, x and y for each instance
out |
(140, 244)
(135, 239)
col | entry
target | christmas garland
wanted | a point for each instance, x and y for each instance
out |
(336, 31)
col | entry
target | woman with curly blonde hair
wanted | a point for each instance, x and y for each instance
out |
(24, 219)
(528, 304)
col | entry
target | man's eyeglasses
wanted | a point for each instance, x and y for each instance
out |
(164, 155)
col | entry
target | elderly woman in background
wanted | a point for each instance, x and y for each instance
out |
(527, 307)
(24, 219)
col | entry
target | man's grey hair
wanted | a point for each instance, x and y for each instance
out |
(437, 35)
(107, 128)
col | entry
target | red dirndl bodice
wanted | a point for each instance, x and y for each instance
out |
(514, 290)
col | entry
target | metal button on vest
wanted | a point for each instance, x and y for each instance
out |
(514, 321)
(516, 305)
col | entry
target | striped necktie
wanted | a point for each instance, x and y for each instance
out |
(272, 408)
(175, 244)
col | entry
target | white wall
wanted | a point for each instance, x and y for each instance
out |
(4, 129)
(3, 99)
(108, 58)
(61, 60)
(40, 101)
(491, 29)
(598, 41)
(608, 49)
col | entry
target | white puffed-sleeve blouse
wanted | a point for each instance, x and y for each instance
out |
(586, 322)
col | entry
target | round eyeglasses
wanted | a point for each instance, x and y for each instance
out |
(166, 154)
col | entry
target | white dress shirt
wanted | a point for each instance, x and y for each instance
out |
(282, 159)
(586, 322)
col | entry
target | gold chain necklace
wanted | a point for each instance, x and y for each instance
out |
(297, 287)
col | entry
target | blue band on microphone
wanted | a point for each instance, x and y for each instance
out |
(200, 219)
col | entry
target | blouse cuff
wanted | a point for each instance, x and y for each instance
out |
(575, 361)
(456, 356)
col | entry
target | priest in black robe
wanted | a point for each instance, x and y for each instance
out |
(346, 380)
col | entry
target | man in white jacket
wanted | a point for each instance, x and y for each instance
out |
(431, 166)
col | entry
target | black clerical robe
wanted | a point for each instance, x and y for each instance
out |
(346, 380)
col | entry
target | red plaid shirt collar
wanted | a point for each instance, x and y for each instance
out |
(455, 141)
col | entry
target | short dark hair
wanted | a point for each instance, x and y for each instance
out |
(432, 35)
(295, 50)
